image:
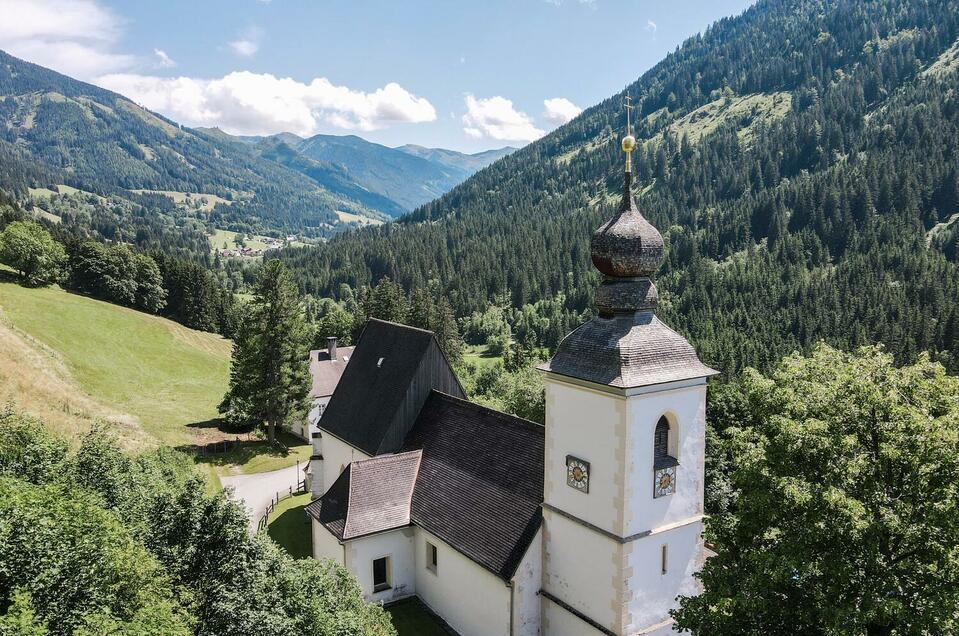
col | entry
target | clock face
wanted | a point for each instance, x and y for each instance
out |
(664, 482)
(577, 473)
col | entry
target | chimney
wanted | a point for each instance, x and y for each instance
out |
(331, 347)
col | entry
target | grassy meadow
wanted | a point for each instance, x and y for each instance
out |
(74, 361)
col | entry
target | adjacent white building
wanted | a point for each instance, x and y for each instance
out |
(326, 369)
(590, 525)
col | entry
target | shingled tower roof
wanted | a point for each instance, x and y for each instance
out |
(625, 345)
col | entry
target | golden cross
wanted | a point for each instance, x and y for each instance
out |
(629, 107)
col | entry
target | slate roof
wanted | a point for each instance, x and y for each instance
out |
(627, 350)
(375, 383)
(326, 373)
(476, 478)
(371, 495)
(480, 482)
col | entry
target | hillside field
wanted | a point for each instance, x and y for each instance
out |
(73, 361)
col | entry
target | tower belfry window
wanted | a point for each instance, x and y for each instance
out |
(661, 439)
(664, 464)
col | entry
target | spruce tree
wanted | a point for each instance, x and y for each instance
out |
(269, 379)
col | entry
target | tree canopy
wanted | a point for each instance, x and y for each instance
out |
(269, 374)
(845, 513)
(96, 542)
(28, 248)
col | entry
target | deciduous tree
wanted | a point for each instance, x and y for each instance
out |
(846, 520)
(28, 248)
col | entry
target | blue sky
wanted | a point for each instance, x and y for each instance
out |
(460, 74)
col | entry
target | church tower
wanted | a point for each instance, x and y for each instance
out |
(625, 449)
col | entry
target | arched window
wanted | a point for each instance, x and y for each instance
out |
(664, 464)
(661, 439)
(662, 444)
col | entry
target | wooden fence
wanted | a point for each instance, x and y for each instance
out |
(277, 498)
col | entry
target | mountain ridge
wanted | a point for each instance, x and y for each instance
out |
(99, 141)
(56, 130)
(800, 161)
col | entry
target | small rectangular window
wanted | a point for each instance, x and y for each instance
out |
(381, 574)
(431, 557)
(665, 558)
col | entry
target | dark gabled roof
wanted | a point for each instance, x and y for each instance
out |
(480, 482)
(375, 382)
(330, 509)
(370, 496)
(326, 373)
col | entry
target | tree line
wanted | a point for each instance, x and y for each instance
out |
(154, 282)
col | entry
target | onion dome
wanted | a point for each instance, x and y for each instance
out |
(625, 345)
(627, 245)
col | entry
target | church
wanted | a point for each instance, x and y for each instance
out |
(589, 525)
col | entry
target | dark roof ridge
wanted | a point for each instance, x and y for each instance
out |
(400, 324)
(488, 409)
(432, 335)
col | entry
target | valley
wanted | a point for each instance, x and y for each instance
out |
(687, 307)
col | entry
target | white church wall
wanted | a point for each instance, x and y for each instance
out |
(650, 593)
(582, 568)
(325, 545)
(398, 546)
(526, 584)
(686, 409)
(474, 601)
(558, 621)
(591, 426)
(337, 454)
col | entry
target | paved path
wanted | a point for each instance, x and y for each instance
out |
(257, 490)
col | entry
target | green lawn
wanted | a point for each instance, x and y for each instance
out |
(411, 619)
(480, 355)
(288, 526)
(72, 361)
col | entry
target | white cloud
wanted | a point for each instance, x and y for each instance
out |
(247, 43)
(560, 110)
(77, 37)
(163, 60)
(70, 36)
(245, 48)
(496, 118)
(260, 103)
(651, 26)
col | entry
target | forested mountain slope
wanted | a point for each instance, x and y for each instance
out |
(468, 162)
(802, 161)
(392, 181)
(407, 179)
(57, 130)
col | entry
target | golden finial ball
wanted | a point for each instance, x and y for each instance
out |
(629, 143)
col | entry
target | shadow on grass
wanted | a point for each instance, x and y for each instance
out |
(10, 276)
(240, 450)
(291, 530)
(216, 422)
(239, 453)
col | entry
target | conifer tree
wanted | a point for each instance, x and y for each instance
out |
(269, 379)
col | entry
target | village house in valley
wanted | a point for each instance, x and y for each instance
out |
(591, 524)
